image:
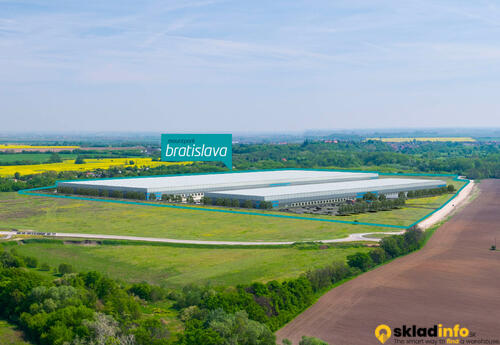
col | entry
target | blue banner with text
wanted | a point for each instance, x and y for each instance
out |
(197, 148)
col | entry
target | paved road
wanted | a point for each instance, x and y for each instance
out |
(448, 208)
(454, 279)
(350, 238)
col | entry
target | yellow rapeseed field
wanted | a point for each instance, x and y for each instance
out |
(17, 147)
(443, 139)
(89, 165)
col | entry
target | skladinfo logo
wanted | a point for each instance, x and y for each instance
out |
(383, 332)
(453, 334)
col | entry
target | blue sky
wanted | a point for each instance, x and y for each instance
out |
(208, 66)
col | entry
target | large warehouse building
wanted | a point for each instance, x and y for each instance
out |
(279, 187)
(197, 185)
(326, 192)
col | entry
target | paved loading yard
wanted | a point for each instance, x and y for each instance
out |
(453, 279)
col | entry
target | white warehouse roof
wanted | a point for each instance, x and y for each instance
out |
(327, 190)
(220, 181)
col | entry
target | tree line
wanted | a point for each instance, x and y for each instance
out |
(362, 206)
(102, 193)
(477, 160)
(165, 197)
(431, 192)
(236, 203)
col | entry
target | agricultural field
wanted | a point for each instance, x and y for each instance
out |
(9, 335)
(175, 266)
(69, 165)
(6, 147)
(32, 157)
(440, 139)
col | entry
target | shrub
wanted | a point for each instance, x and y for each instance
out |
(31, 261)
(151, 331)
(266, 205)
(311, 341)
(369, 196)
(116, 194)
(10, 260)
(248, 204)
(321, 278)
(79, 160)
(65, 268)
(141, 290)
(377, 255)
(391, 246)
(147, 292)
(64, 190)
(363, 261)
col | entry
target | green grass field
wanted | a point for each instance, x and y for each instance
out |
(65, 215)
(9, 335)
(177, 266)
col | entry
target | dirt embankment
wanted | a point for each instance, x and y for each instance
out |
(454, 279)
(449, 208)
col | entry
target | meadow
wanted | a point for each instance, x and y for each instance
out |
(80, 216)
(174, 266)
(9, 335)
(69, 165)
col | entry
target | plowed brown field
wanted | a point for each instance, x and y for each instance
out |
(454, 279)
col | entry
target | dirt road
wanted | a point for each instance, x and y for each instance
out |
(454, 279)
